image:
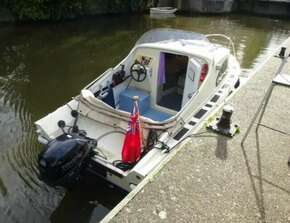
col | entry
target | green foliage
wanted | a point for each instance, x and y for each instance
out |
(61, 9)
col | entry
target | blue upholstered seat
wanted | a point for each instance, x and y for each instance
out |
(156, 115)
(126, 104)
(126, 100)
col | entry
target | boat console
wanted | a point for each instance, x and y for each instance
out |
(129, 81)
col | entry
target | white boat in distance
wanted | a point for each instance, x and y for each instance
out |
(163, 10)
(175, 78)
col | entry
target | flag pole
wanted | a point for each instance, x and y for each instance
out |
(136, 100)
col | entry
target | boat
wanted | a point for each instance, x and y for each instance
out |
(163, 10)
(169, 83)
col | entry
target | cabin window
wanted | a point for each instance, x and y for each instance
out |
(171, 79)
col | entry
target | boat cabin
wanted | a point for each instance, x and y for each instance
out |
(165, 75)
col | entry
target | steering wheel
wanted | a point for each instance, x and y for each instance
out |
(138, 72)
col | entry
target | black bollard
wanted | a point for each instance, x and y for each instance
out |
(223, 125)
(225, 120)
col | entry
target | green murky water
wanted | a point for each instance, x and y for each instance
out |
(43, 66)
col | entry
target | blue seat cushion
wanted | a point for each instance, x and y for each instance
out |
(126, 100)
(126, 104)
(156, 115)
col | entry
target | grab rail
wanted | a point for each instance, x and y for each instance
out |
(90, 85)
(227, 38)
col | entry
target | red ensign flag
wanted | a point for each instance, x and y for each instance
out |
(131, 150)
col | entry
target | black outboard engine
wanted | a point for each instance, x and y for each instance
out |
(63, 159)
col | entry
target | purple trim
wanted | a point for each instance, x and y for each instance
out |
(161, 69)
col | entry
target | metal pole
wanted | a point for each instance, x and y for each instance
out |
(267, 95)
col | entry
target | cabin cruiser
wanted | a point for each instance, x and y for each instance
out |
(177, 79)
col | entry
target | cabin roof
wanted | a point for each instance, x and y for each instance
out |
(182, 42)
(163, 34)
(197, 48)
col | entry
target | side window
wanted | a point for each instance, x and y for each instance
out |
(222, 72)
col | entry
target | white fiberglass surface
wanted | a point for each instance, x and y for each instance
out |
(110, 146)
(162, 34)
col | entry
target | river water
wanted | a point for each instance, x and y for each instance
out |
(43, 65)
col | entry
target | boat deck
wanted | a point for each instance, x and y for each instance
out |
(110, 146)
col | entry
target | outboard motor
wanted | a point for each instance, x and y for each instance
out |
(63, 159)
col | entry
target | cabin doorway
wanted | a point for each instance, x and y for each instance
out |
(171, 80)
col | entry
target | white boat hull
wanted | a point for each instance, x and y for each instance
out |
(163, 10)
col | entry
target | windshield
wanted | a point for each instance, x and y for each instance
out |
(163, 34)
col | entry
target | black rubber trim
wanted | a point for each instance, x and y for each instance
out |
(215, 98)
(200, 113)
(180, 134)
(192, 123)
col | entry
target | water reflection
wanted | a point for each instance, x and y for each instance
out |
(162, 16)
(42, 66)
(83, 204)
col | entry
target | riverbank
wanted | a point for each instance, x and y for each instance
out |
(216, 179)
(49, 10)
(27, 11)
(277, 8)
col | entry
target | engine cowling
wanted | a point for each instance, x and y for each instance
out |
(61, 161)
